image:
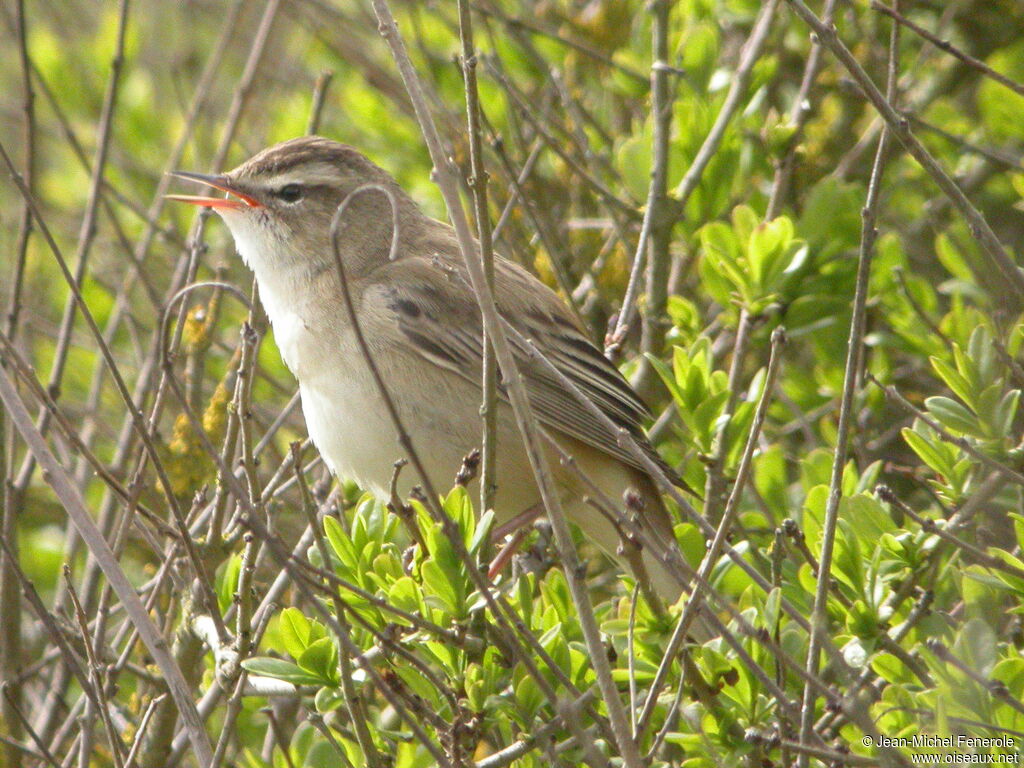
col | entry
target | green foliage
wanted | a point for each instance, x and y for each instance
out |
(751, 263)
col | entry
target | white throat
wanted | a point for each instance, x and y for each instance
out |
(284, 289)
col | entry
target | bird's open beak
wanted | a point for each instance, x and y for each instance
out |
(240, 199)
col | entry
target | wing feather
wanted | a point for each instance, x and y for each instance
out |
(441, 322)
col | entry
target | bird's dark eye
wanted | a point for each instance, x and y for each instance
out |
(290, 193)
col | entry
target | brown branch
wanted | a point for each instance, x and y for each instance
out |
(354, 705)
(715, 473)
(661, 211)
(87, 232)
(29, 134)
(100, 704)
(799, 114)
(478, 183)
(738, 86)
(317, 107)
(10, 612)
(737, 90)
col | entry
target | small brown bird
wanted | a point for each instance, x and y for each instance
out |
(414, 304)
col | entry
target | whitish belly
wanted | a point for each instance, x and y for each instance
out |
(350, 426)
(352, 433)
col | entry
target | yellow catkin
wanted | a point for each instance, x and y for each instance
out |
(184, 458)
(199, 324)
(215, 417)
(195, 333)
(186, 461)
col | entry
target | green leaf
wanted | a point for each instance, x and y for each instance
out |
(772, 608)
(321, 658)
(340, 542)
(666, 376)
(386, 567)
(770, 246)
(483, 531)
(1015, 581)
(295, 629)
(954, 380)
(1000, 109)
(529, 696)
(1010, 672)
(983, 356)
(405, 594)
(745, 223)
(976, 645)
(848, 563)
(929, 452)
(814, 514)
(459, 507)
(328, 699)
(830, 217)
(890, 668)
(280, 669)
(987, 407)
(705, 418)
(694, 383)
(228, 583)
(770, 477)
(439, 585)
(952, 258)
(1006, 411)
(954, 416)
(867, 517)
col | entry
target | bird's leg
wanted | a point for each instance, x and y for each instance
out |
(522, 520)
(519, 526)
(504, 557)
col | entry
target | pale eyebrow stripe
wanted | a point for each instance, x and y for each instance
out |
(321, 173)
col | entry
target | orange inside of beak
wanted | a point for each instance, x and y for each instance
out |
(239, 199)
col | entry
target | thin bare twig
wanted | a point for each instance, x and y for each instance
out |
(96, 679)
(87, 232)
(478, 183)
(319, 96)
(799, 114)
(819, 616)
(948, 47)
(10, 632)
(738, 86)
(661, 211)
(715, 481)
(29, 133)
